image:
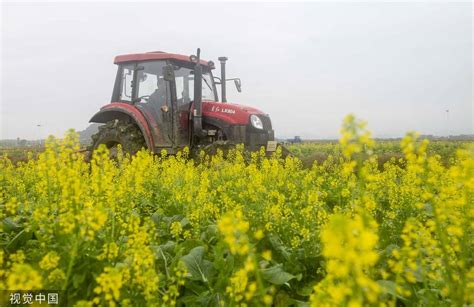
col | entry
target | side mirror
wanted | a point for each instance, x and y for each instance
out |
(217, 80)
(238, 85)
(168, 73)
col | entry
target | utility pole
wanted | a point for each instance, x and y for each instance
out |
(447, 121)
(39, 133)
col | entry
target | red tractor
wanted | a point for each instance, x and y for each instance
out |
(169, 101)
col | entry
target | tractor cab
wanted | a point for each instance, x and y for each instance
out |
(170, 101)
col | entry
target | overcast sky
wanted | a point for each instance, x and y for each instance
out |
(400, 66)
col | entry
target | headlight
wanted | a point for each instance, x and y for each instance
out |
(256, 121)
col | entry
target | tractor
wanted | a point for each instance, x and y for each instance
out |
(165, 101)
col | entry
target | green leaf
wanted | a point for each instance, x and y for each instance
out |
(157, 217)
(184, 222)
(278, 246)
(202, 298)
(282, 298)
(171, 219)
(210, 235)
(190, 244)
(168, 247)
(389, 287)
(9, 225)
(276, 275)
(297, 303)
(199, 268)
(19, 240)
(428, 209)
(306, 290)
(78, 279)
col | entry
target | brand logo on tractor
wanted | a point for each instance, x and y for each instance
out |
(222, 110)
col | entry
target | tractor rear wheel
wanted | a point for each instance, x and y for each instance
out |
(118, 132)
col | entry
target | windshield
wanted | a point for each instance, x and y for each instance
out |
(185, 85)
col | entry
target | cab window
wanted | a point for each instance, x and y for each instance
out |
(152, 88)
(184, 78)
(126, 83)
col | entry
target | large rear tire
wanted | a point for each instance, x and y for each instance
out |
(118, 132)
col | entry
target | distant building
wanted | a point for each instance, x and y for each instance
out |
(296, 139)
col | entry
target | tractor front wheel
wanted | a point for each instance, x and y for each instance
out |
(115, 133)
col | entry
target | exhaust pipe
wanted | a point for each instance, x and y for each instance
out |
(223, 59)
(197, 116)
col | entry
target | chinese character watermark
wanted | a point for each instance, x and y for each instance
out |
(53, 298)
(33, 297)
(15, 298)
(27, 298)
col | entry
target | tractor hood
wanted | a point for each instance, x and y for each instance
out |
(229, 112)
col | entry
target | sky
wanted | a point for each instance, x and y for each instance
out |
(399, 66)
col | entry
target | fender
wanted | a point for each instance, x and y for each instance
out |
(119, 110)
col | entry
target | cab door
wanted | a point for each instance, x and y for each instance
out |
(153, 99)
(184, 96)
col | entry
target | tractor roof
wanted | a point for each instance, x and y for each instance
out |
(153, 55)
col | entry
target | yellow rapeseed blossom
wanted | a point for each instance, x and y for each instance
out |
(110, 251)
(349, 249)
(176, 229)
(109, 284)
(49, 261)
(24, 277)
(234, 229)
(270, 229)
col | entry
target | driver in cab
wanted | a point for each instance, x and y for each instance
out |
(158, 97)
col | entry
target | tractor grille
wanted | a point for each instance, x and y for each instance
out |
(267, 123)
(257, 138)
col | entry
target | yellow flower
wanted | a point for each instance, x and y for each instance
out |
(267, 255)
(109, 251)
(234, 228)
(56, 276)
(259, 234)
(24, 277)
(49, 261)
(109, 284)
(176, 229)
(349, 245)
